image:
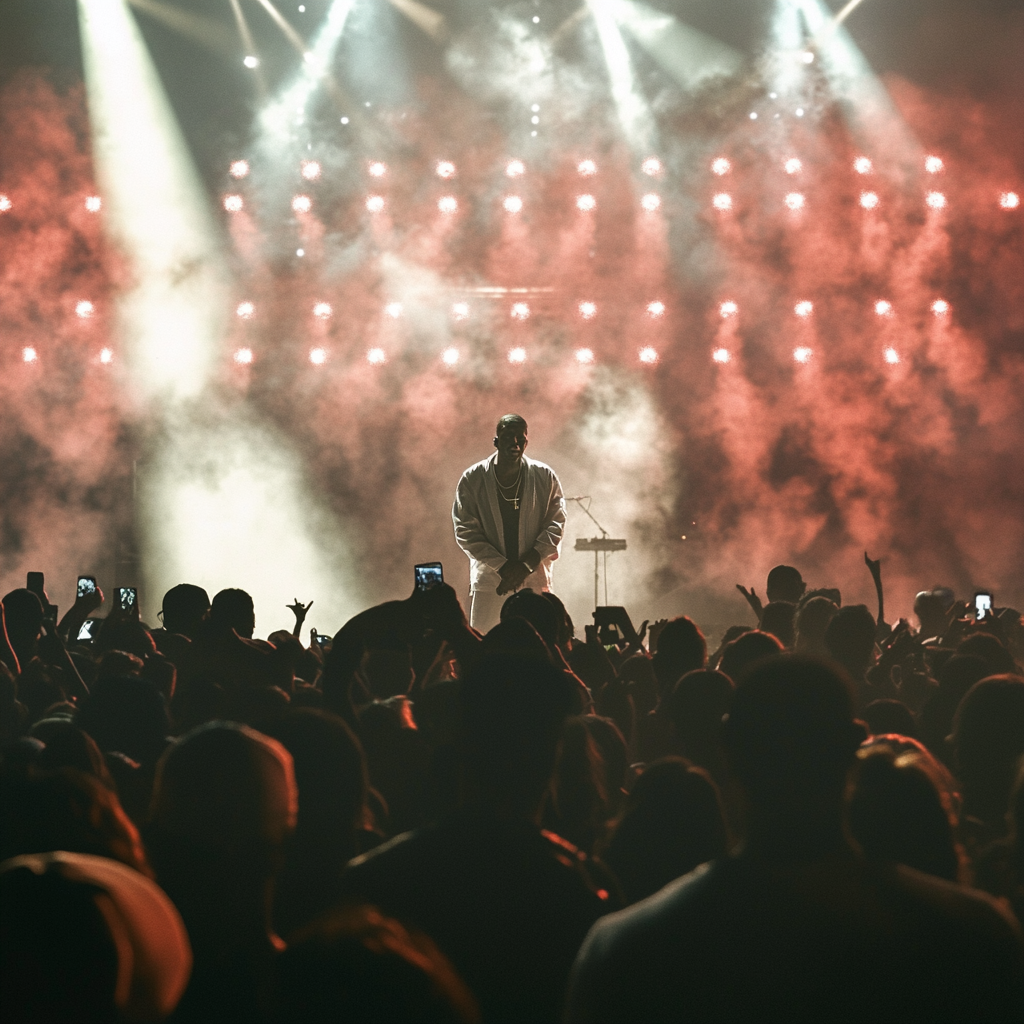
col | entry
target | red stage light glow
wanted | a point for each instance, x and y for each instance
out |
(793, 165)
(520, 311)
(648, 355)
(514, 168)
(651, 166)
(245, 310)
(302, 204)
(239, 168)
(720, 165)
(935, 200)
(721, 355)
(588, 310)
(883, 307)
(378, 169)
(584, 355)
(106, 356)
(233, 203)
(512, 204)
(322, 310)
(933, 164)
(862, 165)
(93, 204)
(892, 357)
(655, 309)
(29, 355)
(318, 356)
(447, 204)
(804, 308)
(376, 357)
(310, 170)
(728, 308)
(84, 309)
(243, 356)
(445, 169)
(585, 203)
(517, 356)
(795, 201)
(5, 203)
(802, 354)
(869, 200)
(650, 202)
(722, 201)
(587, 168)
(1009, 200)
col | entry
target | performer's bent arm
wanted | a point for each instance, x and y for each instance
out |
(550, 534)
(469, 532)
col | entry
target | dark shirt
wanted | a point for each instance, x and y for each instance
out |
(508, 904)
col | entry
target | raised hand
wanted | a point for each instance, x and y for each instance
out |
(298, 609)
(752, 599)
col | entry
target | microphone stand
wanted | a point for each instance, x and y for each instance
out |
(604, 535)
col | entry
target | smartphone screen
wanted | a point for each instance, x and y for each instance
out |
(428, 575)
(88, 629)
(982, 606)
(126, 598)
(86, 585)
(323, 639)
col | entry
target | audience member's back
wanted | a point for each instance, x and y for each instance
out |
(796, 926)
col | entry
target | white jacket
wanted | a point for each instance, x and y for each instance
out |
(478, 528)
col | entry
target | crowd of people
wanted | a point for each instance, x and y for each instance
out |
(820, 819)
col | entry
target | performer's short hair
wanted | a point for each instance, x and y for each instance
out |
(509, 420)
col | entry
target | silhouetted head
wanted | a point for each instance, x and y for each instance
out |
(812, 619)
(886, 716)
(566, 629)
(233, 609)
(681, 648)
(991, 650)
(778, 619)
(930, 610)
(746, 649)
(785, 584)
(127, 635)
(23, 613)
(67, 746)
(959, 673)
(126, 714)
(184, 609)
(516, 636)
(697, 705)
(538, 612)
(850, 639)
(510, 438)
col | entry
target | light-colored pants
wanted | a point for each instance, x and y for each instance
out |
(485, 609)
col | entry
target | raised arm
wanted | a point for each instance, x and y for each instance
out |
(549, 537)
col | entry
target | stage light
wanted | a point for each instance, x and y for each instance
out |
(300, 252)
(933, 164)
(721, 166)
(1009, 200)
(93, 204)
(862, 165)
(233, 203)
(450, 356)
(377, 169)
(795, 201)
(935, 200)
(869, 200)
(585, 202)
(587, 168)
(106, 356)
(302, 204)
(29, 355)
(323, 311)
(376, 357)
(344, 120)
(793, 165)
(804, 308)
(883, 307)
(892, 357)
(799, 111)
(512, 204)
(722, 201)
(648, 355)
(375, 203)
(728, 308)
(445, 169)
(802, 354)
(940, 307)
(84, 309)
(517, 356)
(588, 310)
(318, 356)
(447, 204)
(520, 311)
(584, 356)
(721, 355)
(239, 168)
(753, 115)
(807, 57)
(251, 62)
(5, 203)
(310, 170)
(243, 356)
(655, 309)
(460, 310)
(535, 108)
(245, 310)
(651, 166)
(393, 310)
(514, 168)
(650, 202)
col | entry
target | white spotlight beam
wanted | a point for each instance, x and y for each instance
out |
(424, 18)
(205, 31)
(248, 43)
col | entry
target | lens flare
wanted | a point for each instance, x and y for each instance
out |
(393, 310)
(584, 355)
(233, 203)
(793, 165)
(651, 166)
(5, 203)
(517, 356)
(883, 307)
(375, 203)
(648, 355)
(721, 355)
(376, 357)
(29, 355)
(377, 169)
(93, 204)
(1009, 200)
(243, 356)
(106, 356)
(445, 169)
(587, 168)
(804, 308)
(933, 164)
(310, 170)
(520, 311)
(318, 356)
(722, 201)
(935, 200)
(795, 201)
(239, 168)
(302, 204)
(512, 204)
(585, 202)
(862, 165)
(655, 309)
(802, 354)
(323, 311)
(721, 166)
(447, 204)
(84, 309)
(728, 308)
(514, 168)
(940, 307)
(450, 356)
(245, 310)
(892, 357)
(588, 310)
(869, 200)
(460, 310)
(650, 202)
(251, 62)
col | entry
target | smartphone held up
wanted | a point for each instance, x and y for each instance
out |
(428, 575)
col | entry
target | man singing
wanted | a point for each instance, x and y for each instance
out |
(509, 518)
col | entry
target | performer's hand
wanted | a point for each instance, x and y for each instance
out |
(513, 575)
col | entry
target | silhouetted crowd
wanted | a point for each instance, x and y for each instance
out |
(820, 820)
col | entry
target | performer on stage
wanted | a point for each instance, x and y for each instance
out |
(509, 517)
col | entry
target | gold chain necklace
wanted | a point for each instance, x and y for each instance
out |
(514, 500)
